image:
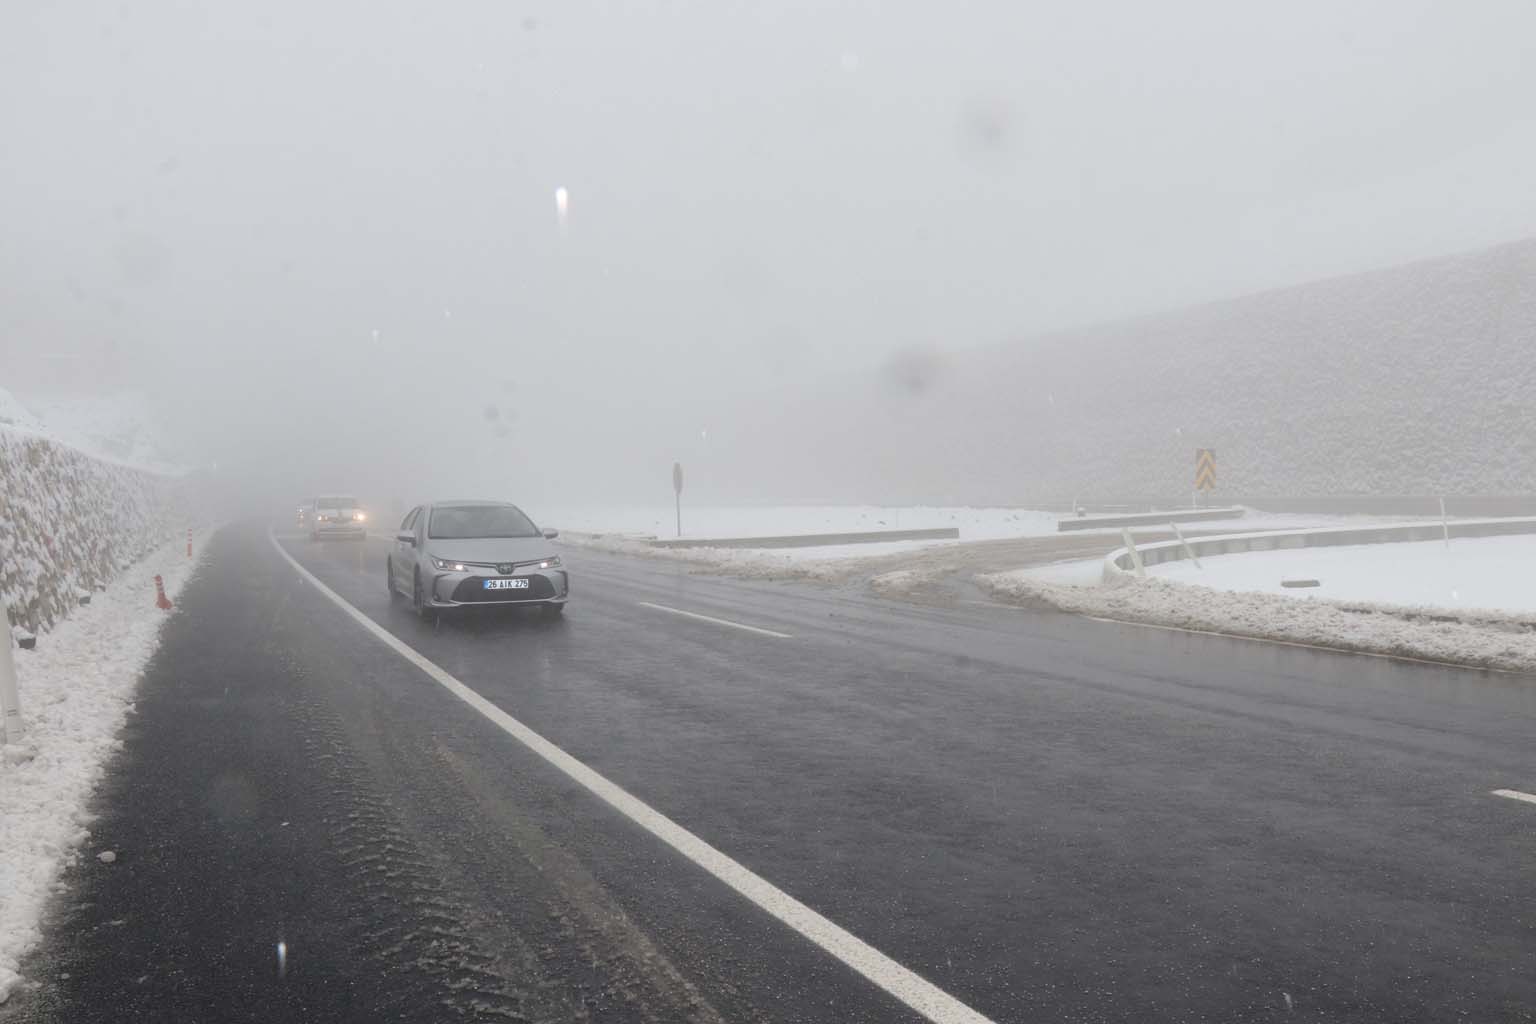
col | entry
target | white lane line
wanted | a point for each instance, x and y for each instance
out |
(1515, 794)
(711, 618)
(921, 996)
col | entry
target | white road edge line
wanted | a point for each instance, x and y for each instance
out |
(1515, 794)
(921, 996)
(711, 618)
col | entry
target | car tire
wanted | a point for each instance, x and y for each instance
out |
(418, 598)
(552, 611)
(389, 580)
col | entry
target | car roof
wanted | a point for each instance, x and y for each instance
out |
(468, 501)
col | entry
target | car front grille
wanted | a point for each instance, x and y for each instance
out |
(472, 591)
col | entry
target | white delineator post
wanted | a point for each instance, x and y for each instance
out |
(1130, 545)
(10, 703)
(1445, 525)
(1189, 552)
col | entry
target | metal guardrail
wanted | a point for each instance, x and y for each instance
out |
(1120, 562)
(1188, 515)
(810, 540)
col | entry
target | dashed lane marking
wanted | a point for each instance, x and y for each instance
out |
(710, 618)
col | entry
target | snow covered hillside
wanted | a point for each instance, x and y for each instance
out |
(69, 523)
(1412, 380)
(121, 427)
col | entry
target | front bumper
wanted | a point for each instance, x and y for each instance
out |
(350, 528)
(467, 589)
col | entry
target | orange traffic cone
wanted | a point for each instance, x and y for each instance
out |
(161, 601)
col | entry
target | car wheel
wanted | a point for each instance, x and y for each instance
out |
(552, 611)
(418, 596)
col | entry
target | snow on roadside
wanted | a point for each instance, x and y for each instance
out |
(1479, 639)
(752, 562)
(704, 521)
(974, 523)
(76, 690)
(902, 582)
(622, 530)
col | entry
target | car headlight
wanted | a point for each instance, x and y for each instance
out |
(447, 566)
(360, 516)
(552, 562)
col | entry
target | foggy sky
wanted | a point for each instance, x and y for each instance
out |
(324, 235)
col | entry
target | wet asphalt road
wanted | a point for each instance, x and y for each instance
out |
(1049, 818)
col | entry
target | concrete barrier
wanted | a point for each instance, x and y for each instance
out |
(1188, 515)
(1119, 563)
(811, 540)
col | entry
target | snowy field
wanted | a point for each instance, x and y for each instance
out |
(1496, 573)
(76, 689)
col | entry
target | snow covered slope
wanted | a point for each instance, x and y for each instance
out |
(17, 416)
(121, 427)
(69, 523)
(1413, 380)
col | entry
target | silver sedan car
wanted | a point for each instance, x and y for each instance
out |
(452, 554)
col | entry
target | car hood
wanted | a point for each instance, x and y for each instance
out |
(491, 549)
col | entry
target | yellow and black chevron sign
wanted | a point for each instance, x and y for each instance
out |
(1205, 469)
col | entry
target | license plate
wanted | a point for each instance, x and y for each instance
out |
(514, 584)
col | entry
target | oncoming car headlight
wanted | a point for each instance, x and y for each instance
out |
(552, 562)
(360, 516)
(447, 566)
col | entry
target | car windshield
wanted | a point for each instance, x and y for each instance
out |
(336, 502)
(457, 522)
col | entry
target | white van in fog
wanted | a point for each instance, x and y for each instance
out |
(335, 515)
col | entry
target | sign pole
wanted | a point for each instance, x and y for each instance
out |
(677, 493)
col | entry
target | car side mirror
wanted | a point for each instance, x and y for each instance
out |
(406, 537)
(551, 534)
